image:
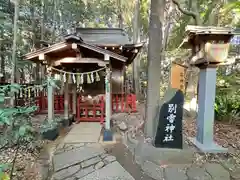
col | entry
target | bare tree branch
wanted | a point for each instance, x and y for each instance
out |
(186, 12)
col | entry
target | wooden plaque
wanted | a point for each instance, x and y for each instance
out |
(177, 78)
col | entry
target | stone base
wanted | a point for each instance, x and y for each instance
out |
(213, 148)
(67, 118)
(70, 118)
(147, 152)
(107, 135)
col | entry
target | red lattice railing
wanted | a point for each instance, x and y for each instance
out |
(90, 111)
(123, 103)
(87, 110)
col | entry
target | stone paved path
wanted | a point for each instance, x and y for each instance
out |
(81, 157)
(84, 132)
(89, 161)
(86, 161)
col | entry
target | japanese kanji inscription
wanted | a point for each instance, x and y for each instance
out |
(169, 127)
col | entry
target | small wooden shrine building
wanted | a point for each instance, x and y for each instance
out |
(87, 64)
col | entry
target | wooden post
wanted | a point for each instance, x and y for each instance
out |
(66, 101)
(50, 100)
(74, 98)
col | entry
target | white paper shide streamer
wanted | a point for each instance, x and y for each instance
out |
(74, 79)
(81, 79)
(92, 77)
(64, 77)
(78, 77)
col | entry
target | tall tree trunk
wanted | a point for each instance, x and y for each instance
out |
(2, 57)
(136, 39)
(42, 19)
(155, 49)
(192, 78)
(40, 67)
(55, 3)
(166, 32)
(120, 17)
(168, 22)
(213, 17)
(14, 47)
(35, 44)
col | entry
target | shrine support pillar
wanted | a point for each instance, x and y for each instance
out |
(66, 101)
(108, 100)
(42, 95)
(107, 134)
(50, 96)
(74, 101)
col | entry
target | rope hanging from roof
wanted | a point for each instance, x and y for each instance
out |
(66, 72)
(78, 78)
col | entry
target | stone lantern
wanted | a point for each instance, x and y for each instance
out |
(210, 46)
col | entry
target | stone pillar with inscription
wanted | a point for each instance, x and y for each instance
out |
(168, 124)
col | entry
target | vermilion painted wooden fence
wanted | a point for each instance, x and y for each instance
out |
(86, 111)
(90, 112)
(94, 111)
(124, 103)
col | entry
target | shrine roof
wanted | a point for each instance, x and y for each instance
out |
(58, 49)
(103, 36)
(93, 43)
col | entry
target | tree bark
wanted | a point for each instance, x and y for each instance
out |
(40, 72)
(213, 16)
(155, 50)
(193, 13)
(168, 23)
(2, 58)
(120, 17)
(35, 44)
(136, 39)
(14, 47)
(42, 20)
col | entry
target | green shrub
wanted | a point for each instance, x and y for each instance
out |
(227, 102)
(48, 125)
(227, 108)
(16, 125)
(16, 128)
